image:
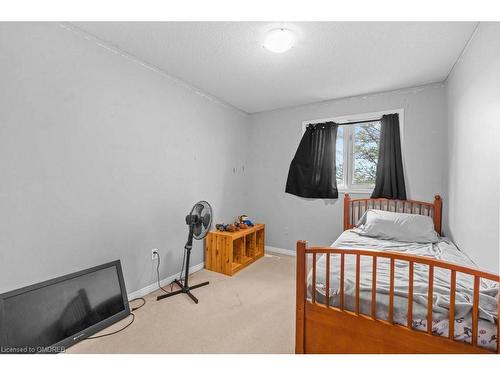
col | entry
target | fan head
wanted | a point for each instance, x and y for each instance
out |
(201, 219)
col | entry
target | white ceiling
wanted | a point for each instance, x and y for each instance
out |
(329, 60)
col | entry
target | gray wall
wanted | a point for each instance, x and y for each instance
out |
(473, 93)
(101, 158)
(275, 135)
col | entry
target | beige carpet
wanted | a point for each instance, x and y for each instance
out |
(251, 312)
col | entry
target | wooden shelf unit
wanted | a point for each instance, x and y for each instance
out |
(229, 252)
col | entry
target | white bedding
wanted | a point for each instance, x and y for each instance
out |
(444, 250)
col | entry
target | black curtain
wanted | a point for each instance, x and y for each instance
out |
(312, 172)
(389, 181)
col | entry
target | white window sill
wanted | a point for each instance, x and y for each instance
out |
(367, 191)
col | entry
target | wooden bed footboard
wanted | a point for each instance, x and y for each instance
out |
(321, 328)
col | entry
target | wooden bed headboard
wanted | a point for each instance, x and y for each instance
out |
(355, 208)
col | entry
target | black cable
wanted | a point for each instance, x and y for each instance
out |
(158, 272)
(137, 299)
(158, 275)
(112, 333)
(183, 260)
(128, 325)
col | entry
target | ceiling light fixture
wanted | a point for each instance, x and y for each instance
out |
(279, 40)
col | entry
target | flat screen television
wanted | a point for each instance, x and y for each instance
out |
(55, 314)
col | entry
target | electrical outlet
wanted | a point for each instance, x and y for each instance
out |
(154, 254)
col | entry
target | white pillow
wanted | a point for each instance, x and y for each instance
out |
(397, 226)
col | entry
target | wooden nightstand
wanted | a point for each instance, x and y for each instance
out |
(229, 252)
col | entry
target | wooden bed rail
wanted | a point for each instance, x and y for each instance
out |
(303, 252)
(355, 208)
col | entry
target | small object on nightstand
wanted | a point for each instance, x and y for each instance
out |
(226, 227)
(245, 220)
(239, 225)
(230, 228)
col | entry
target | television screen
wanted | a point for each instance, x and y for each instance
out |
(50, 316)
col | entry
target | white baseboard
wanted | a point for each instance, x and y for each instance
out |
(151, 288)
(279, 250)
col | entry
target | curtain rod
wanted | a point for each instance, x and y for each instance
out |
(346, 123)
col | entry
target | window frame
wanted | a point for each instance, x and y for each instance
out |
(347, 186)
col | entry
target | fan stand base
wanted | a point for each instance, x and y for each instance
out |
(183, 289)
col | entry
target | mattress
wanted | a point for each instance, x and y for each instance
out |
(444, 250)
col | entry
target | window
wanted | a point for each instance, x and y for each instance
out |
(356, 155)
(357, 149)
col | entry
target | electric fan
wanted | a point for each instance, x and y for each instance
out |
(198, 220)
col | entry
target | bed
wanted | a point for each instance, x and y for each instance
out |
(368, 295)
